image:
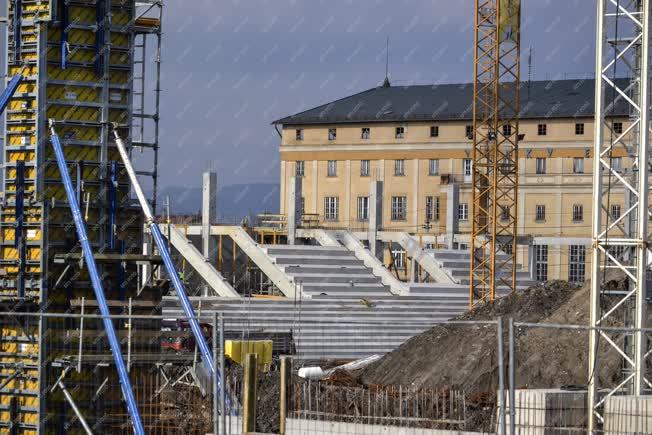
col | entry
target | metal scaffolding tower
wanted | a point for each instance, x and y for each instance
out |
(620, 245)
(496, 105)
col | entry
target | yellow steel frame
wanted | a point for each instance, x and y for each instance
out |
(496, 105)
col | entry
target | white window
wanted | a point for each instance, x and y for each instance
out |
(363, 208)
(617, 163)
(331, 208)
(364, 168)
(463, 212)
(615, 211)
(399, 258)
(399, 208)
(433, 167)
(332, 133)
(576, 263)
(578, 212)
(300, 168)
(541, 262)
(399, 167)
(541, 213)
(578, 165)
(468, 167)
(541, 165)
(332, 168)
(400, 132)
(365, 133)
(432, 208)
(299, 134)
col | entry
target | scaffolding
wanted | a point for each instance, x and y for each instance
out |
(78, 60)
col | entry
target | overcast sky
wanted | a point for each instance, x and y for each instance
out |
(230, 67)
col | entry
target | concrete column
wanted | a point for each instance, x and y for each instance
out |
(375, 218)
(315, 187)
(208, 216)
(283, 186)
(452, 203)
(531, 251)
(294, 208)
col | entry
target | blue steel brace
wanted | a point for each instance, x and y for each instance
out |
(9, 92)
(89, 260)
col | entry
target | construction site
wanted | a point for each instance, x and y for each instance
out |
(445, 259)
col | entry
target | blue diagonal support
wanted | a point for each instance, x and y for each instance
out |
(9, 91)
(89, 260)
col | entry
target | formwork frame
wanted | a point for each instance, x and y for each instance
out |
(622, 49)
(496, 106)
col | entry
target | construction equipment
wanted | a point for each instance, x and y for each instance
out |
(89, 261)
(10, 91)
(620, 245)
(496, 105)
(181, 293)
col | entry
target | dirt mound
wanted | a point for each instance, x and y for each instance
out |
(464, 357)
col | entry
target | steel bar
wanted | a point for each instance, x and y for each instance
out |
(223, 409)
(80, 226)
(74, 407)
(512, 378)
(501, 378)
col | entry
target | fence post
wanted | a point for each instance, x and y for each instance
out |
(249, 393)
(283, 399)
(216, 429)
(512, 378)
(501, 378)
(222, 378)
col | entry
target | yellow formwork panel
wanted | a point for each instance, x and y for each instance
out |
(237, 351)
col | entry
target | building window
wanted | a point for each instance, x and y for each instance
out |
(331, 208)
(433, 167)
(434, 131)
(332, 133)
(579, 128)
(400, 132)
(541, 262)
(399, 208)
(332, 168)
(365, 133)
(578, 165)
(576, 263)
(615, 211)
(541, 165)
(468, 167)
(363, 208)
(578, 213)
(364, 168)
(398, 255)
(541, 213)
(299, 134)
(399, 167)
(507, 130)
(618, 127)
(302, 205)
(463, 212)
(300, 168)
(504, 212)
(617, 164)
(469, 132)
(542, 129)
(432, 208)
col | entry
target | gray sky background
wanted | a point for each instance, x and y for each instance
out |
(230, 67)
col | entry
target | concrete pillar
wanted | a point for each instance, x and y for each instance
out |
(531, 255)
(294, 208)
(208, 216)
(452, 221)
(375, 218)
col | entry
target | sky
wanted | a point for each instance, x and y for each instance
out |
(231, 67)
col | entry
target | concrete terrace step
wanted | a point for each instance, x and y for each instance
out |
(335, 278)
(316, 260)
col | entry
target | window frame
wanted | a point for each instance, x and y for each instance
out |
(363, 209)
(399, 167)
(618, 127)
(366, 130)
(332, 134)
(578, 213)
(507, 130)
(433, 167)
(468, 132)
(540, 169)
(434, 131)
(540, 213)
(470, 167)
(300, 168)
(365, 168)
(298, 134)
(579, 129)
(398, 210)
(432, 208)
(399, 132)
(576, 263)
(331, 208)
(331, 168)
(614, 208)
(542, 129)
(578, 165)
(463, 212)
(541, 262)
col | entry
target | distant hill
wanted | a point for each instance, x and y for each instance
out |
(233, 202)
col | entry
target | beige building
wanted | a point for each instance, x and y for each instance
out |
(417, 140)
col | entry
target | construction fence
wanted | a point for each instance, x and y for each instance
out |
(458, 377)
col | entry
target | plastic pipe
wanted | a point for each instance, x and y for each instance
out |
(89, 259)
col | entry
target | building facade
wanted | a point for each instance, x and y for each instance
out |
(418, 141)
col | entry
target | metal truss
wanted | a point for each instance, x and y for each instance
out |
(620, 245)
(496, 105)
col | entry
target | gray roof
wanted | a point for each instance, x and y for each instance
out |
(539, 99)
